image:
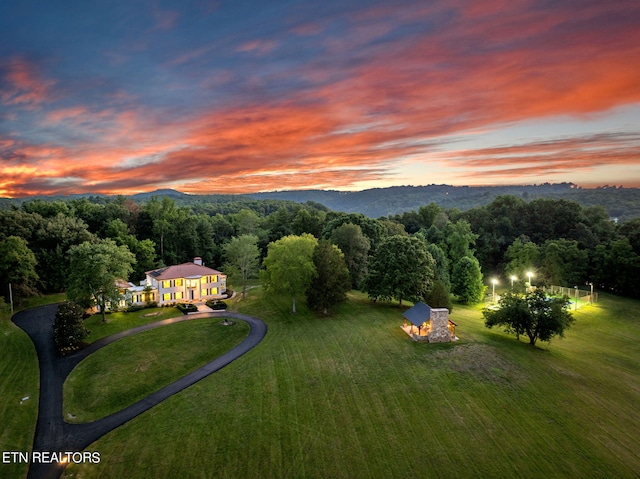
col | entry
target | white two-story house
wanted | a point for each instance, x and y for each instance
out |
(180, 283)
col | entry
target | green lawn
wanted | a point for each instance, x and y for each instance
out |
(352, 396)
(129, 369)
(18, 380)
(121, 321)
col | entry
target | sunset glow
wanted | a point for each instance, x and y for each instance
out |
(238, 97)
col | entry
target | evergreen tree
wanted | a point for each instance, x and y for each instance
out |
(439, 296)
(68, 327)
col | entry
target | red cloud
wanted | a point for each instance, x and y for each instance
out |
(23, 84)
(362, 110)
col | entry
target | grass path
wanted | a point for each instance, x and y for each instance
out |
(351, 396)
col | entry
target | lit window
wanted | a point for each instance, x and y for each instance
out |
(214, 290)
(179, 295)
(166, 284)
(166, 297)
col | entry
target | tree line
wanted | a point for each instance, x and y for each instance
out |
(422, 254)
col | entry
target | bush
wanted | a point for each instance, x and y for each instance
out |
(216, 304)
(135, 307)
(68, 327)
(187, 308)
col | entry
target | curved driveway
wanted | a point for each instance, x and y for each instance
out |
(52, 432)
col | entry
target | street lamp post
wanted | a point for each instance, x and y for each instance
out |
(494, 282)
(530, 275)
(512, 278)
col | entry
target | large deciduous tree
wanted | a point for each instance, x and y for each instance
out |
(521, 256)
(564, 263)
(534, 315)
(242, 254)
(466, 281)
(93, 272)
(616, 267)
(355, 246)
(144, 250)
(289, 266)
(51, 244)
(163, 213)
(331, 281)
(401, 269)
(17, 266)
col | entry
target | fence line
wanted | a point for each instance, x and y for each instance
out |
(583, 297)
(577, 296)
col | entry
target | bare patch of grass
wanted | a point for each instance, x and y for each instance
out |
(479, 360)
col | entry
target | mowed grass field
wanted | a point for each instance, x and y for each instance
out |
(129, 369)
(18, 388)
(350, 396)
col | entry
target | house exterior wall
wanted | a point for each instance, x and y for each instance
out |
(177, 290)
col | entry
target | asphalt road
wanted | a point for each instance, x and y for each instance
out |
(53, 434)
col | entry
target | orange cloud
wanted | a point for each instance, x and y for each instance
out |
(23, 84)
(548, 158)
(396, 85)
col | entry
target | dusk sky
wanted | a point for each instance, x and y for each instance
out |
(121, 97)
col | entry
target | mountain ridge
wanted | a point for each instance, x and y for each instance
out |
(377, 202)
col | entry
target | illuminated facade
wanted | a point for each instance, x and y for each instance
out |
(181, 283)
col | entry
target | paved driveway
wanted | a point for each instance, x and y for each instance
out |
(52, 432)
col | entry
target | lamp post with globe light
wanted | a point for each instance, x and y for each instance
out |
(530, 275)
(512, 278)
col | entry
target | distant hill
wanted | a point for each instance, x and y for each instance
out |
(175, 194)
(623, 203)
(619, 202)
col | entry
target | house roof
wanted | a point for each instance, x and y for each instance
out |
(184, 270)
(418, 314)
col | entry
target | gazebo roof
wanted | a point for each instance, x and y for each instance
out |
(418, 314)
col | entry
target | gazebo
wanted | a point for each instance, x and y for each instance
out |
(430, 325)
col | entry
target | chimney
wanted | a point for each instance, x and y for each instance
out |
(197, 260)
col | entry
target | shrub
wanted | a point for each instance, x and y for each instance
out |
(187, 308)
(68, 327)
(216, 304)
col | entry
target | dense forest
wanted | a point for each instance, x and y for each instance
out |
(561, 241)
